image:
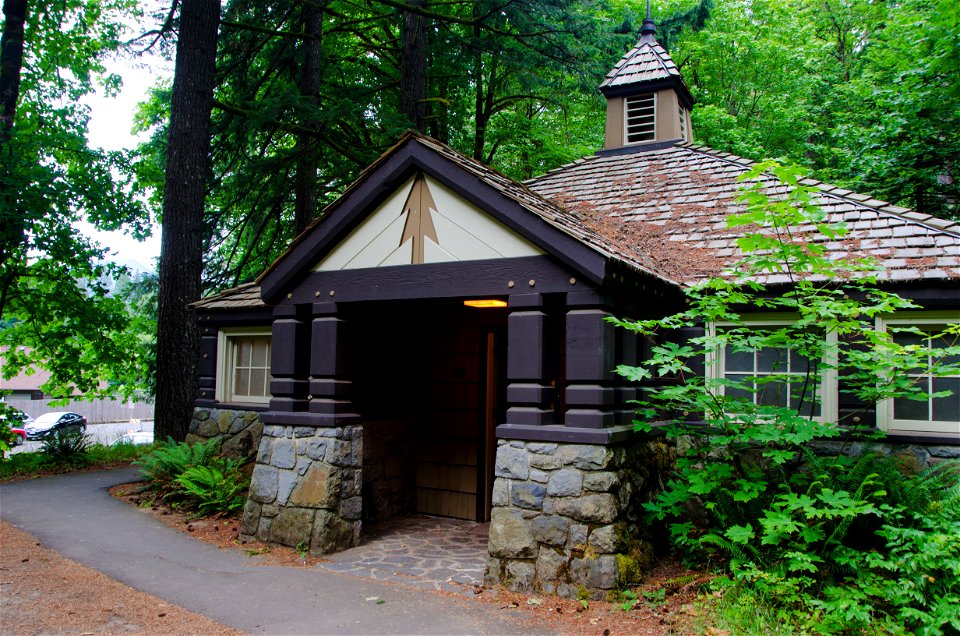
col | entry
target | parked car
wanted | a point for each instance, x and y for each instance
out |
(49, 423)
(19, 435)
(17, 421)
(136, 437)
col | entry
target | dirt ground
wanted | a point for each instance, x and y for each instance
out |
(44, 593)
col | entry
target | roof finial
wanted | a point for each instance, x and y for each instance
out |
(648, 29)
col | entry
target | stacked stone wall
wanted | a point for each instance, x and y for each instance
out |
(239, 431)
(566, 518)
(306, 488)
(389, 470)
(912, 458)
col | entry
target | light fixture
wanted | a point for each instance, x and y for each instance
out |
(485, 303)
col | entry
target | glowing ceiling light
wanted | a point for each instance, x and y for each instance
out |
(485, 303)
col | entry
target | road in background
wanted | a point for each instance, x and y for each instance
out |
(104, 433)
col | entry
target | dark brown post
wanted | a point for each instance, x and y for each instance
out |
(529, 394)
(288, 359)
(206, 393)
(625, 392)
(329, 382)
(591, 345)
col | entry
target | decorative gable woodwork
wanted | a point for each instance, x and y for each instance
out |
(425, 222)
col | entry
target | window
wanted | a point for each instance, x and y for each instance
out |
(640, 114)
(243, 373)
(775, 376)
(933, 414)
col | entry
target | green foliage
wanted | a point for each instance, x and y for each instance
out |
(66, 447)
(211, 490)
(797, 530)
(31, 464)
(195, 477)
(54, 306)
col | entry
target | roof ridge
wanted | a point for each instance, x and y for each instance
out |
(906, 214)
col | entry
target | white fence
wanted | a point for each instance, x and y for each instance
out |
(95, 411)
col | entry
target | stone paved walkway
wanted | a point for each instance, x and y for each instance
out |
(428, 552)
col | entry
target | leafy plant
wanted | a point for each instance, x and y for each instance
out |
(747, 490)
(211, 491)
(195, 476)
(68, 446)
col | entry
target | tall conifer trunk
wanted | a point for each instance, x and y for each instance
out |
(181, 247)
(12, 228)
(305, 186)
(413, 66)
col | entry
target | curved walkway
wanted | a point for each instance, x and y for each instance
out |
(76, 516)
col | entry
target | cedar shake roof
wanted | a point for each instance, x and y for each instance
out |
(241, 297)
(645, 62)
(670, 206)
(663, 212)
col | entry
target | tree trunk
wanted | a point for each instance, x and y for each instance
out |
(181, 247)
(413, 66)
(305, 186)
(12, 236)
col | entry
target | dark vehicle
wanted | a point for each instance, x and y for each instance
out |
(50, 423)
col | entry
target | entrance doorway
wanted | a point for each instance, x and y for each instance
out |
(430, 388)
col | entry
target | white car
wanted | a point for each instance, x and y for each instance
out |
(136, 437)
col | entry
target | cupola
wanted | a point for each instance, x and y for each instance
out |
(647, 101)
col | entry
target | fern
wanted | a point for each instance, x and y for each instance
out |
(211, 491)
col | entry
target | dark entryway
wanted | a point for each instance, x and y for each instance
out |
(429, 384)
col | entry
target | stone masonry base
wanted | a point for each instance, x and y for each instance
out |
(566, 518)
(238, 431)
(306, 488)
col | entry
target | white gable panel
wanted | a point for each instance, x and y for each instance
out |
(463, 233)
(455, 211)
(433, 253)
(399, 256)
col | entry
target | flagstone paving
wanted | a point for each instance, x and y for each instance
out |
(428, 552)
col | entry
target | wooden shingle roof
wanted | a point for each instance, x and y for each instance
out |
(246, 296)
(669, 207)
(645, 62)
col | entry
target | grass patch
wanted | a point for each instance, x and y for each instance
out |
(23, 465)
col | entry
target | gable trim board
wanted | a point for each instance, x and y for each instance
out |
(383, 179)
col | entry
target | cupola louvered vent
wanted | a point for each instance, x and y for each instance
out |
(683, 124)
(641, 116)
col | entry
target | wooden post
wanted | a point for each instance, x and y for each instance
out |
(590, 362)
(288, 360)
(529, 394)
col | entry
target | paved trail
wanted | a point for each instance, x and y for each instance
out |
(76, 516)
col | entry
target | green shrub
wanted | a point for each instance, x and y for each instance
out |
(211, 491)
(170, 459)
(66, 447)
(195, 477)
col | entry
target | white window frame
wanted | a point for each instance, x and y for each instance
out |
(885, 412)
(226, 364)
(626, 120)
(828, 390)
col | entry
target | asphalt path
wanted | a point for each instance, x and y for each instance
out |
(76, 516)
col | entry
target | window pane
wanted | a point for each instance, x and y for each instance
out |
(773, 394)
(904, 409)
(241, 384)
(771, 359)
(947, 409)
(258, 379)
(244, 348)
(808, 408)
(738, 360)
(907, 339)
(941, 343)
(799, 363)
(259, 352)
(738, 394)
